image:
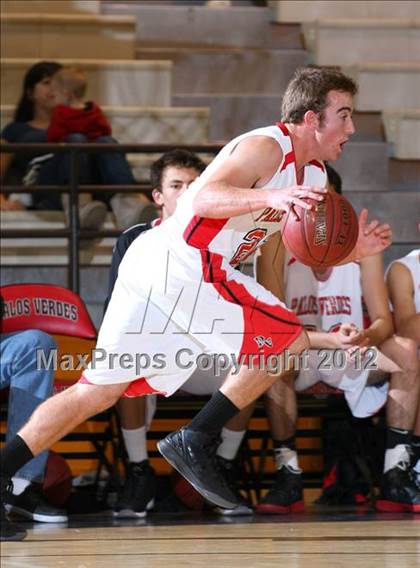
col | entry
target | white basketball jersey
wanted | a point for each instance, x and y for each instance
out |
(324, 305)
(412, 262)
(237, 238)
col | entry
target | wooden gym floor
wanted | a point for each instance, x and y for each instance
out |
(317, 538)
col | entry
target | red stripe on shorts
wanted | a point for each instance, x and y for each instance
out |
(269, 329)
(138, 387)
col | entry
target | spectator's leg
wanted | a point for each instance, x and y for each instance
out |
(29, 386)
(128, 208)
(286, 494)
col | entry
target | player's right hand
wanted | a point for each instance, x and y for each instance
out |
(304, 196)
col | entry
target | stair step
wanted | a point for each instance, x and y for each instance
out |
(241, 26)
(149, 125)
(364, 167)
(386, 85)
(229, 71)
(350, 41)
(310, 10)
(402, 128)
(110, 82)
(55, 36)
(404, 175)
(398, 208)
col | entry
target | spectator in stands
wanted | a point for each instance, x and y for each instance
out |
(31, 120)
(329, 302)
(403, 280)
(170, 176)
(28, 387)
(76, 120)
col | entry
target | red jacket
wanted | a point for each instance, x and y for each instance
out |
(89, 121)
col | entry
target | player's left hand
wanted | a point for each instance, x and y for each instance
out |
(374, 237)
(359, 339)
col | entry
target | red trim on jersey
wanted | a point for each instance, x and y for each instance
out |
(283, 128)
(288, 159)
(319, 165)
(202, 230)
(269, 329)
(138, 387)
(291, 261)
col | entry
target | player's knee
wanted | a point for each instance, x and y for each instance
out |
(37, 339)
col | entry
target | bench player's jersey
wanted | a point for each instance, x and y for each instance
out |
(412, 262)
(324, 305)
(237, 238)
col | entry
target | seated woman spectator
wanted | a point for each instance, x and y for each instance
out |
(31, 122)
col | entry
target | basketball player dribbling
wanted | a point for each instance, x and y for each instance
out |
(194, 300)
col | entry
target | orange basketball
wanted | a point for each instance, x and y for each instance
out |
(322, 237)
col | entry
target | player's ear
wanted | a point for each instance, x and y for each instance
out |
(311, 119)
(158, 197)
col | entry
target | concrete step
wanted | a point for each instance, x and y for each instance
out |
(229, 71)
(149, 125)
(52, 36)
(309, 10)
(400, 209)
(51, 6)
(47, 251)
(404, 175)
(364, 167)
(233, 114)
(111, 82)
(241, 26)
(402, 128)
(350, 41)
(387, 85)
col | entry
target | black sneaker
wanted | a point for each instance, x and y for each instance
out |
(8, 530)
(399, 491)
(230, 471)
(138, 493)
(31, 504)
(193, 454)
(285, 495)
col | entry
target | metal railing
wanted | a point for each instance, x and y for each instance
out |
(73, 232)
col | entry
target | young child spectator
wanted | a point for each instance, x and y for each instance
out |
(76, 120)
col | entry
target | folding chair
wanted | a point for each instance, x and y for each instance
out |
(62, 313)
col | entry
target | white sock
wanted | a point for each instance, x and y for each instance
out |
(285, 456)
(19, 485)
(229, 446)
(396, 455)
(135, 444)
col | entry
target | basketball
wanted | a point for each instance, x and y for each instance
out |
(57, 481)
(322, 237)
(186, 493)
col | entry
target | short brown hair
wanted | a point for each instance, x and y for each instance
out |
(308, 90)
(72, 79)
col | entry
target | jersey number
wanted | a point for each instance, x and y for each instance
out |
(248, 247)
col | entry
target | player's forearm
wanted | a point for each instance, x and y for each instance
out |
(219, 199)
(410, 328)
(321, 340)
(380, 330)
